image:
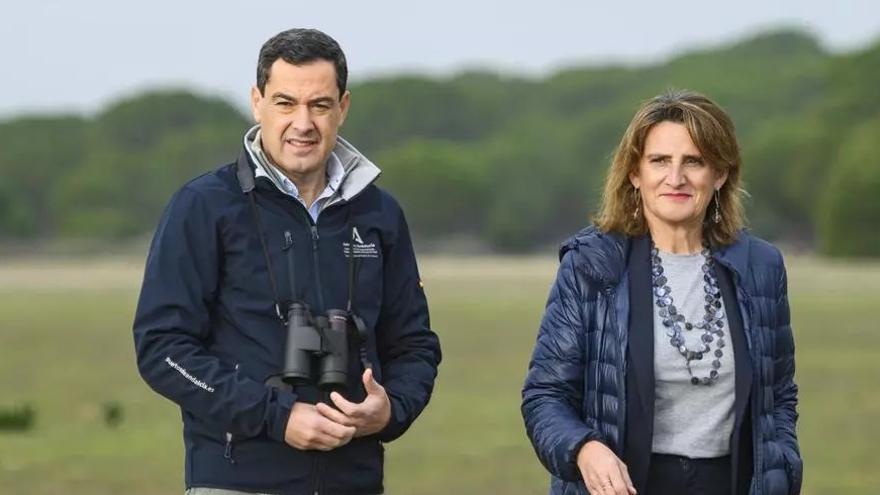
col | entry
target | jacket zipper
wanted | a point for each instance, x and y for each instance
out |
(315, 472)
(319, 475)
(315, 237)
(318, 467)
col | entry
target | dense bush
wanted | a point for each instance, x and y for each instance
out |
(513, 161)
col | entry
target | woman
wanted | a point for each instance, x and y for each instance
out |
(664, 363)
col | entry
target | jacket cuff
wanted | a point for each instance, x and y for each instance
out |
(571, 456)
(397, 424)
(280, 405)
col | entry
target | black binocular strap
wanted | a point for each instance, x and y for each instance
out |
(291, 265)
(262, 236)
(351, 261)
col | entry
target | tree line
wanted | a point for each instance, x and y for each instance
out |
(513, 162)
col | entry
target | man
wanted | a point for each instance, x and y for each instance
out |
(296, 219)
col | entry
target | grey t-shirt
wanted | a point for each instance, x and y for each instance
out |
(690, 420)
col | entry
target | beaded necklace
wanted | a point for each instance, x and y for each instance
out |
(712, 323)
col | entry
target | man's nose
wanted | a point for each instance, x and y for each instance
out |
(301, 119)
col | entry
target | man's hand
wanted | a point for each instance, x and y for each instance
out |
(309, 430)
(368, 417)
(603, 472)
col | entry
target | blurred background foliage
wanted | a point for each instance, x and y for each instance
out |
(512, 163)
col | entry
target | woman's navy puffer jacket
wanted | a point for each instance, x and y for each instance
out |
(574, 390)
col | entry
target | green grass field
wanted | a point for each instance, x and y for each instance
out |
(66, 347)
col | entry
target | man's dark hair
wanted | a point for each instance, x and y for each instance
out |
(300, 46)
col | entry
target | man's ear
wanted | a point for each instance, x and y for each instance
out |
(344, 103)
(256, 99)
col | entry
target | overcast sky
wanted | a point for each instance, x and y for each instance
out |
(79, 55)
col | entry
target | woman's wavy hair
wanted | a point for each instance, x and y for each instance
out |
(712, 131)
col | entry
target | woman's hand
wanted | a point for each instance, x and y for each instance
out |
(603, 472)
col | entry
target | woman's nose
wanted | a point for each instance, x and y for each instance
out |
(675, 177)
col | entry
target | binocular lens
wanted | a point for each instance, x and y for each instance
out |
(320, 338)
(334, 364)
(302, 340)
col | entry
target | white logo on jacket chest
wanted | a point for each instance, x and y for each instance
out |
(358, 247)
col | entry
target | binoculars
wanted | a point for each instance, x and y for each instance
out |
(317, 349)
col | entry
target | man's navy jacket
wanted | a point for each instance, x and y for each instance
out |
(207, 334)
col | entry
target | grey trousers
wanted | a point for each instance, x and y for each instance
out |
(217, 491)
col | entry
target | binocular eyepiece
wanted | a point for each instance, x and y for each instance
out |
(317, 347)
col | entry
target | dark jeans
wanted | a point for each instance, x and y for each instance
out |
(672, 474)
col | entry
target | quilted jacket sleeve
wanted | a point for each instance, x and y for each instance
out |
(553, 390)
(785, 391)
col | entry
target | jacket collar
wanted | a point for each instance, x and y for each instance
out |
(358, 171)
(736, 256)
(604, 256)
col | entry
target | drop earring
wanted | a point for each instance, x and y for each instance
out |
(637, 199)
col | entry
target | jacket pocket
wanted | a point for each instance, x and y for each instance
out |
(227, 451)
(231, 441)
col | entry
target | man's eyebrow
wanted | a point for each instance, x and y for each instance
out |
(283, 96)
(652, 156)
(287, 97)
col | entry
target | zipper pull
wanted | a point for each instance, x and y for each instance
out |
(315, 237)
(227, 453)
(288, 240)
